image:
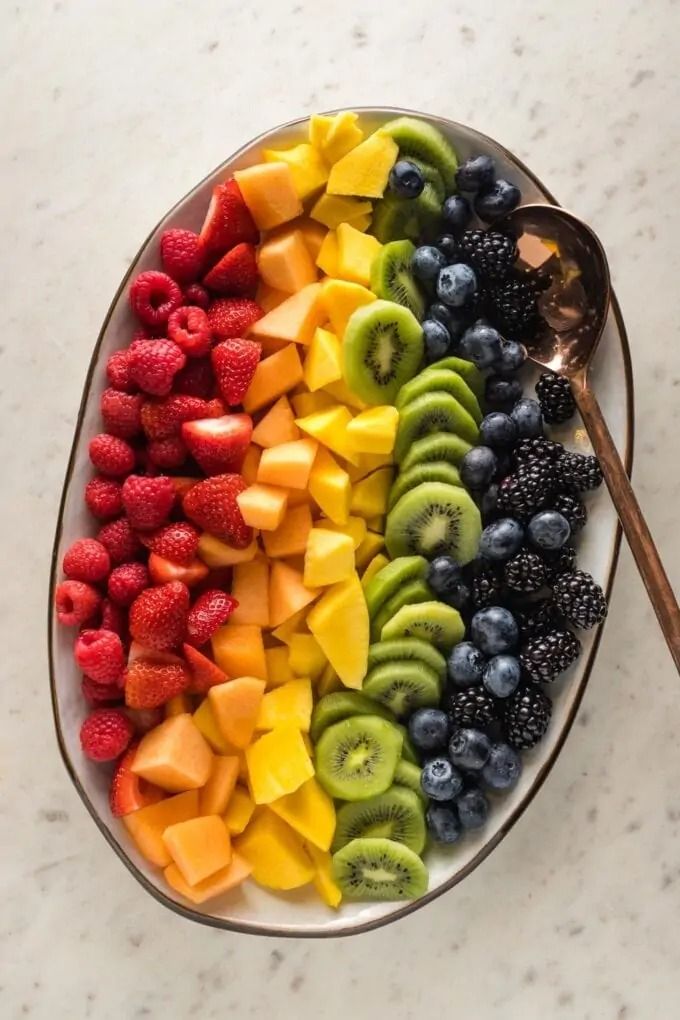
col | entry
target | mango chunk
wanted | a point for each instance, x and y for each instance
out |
(216, 553)
(375, 565)
(278, 667)
(327, 259)
(288, 705)
(238, 650)
(332, 210)
(341, 391)
(370, 547)
(328, 682)
(374, 430)
(215, 795)
(263, 506)
(174, 755)
(199, 847)
(309, 403)
(368, 463)
(293, 625)
(340, 299)
(342, 611)
(269, 191)
(273, 377)
(330, 487)
(365, 169)
(274, 852)
(305, 656)
(147, 825)
(356, 253)
(277, 426)
(329, 558)
(250, 588)
(290, 538)
(323, 880)
(204, 719)
(278, 763)
(355, 527)
(287, 593)
(288, 464)
(294, 320)
(369, 496)
(307, 166)
(335, 135)
(313, 234)
(236, 706)
(323, 363)
(329, 427)
(310, 812)
(215, 885)
(239, 811)
(284, 262)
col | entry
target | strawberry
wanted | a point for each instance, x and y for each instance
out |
(162, 571)
(167, 453)
(235, 273)
(196, 378)
(111, 456)
(113, 617)
(188, 327)
(154, 364)
(130, 792)
(76, 602)
(126, 582)
(177, 542)
(97, 695)
(147, 501)
(163, 418)
(86, 560)
(105, 734)
(182, 484)
(234, 362)
(99, 654)
(228, 221)
(204, 672)
(158, 617)
(182, 254)
(149, 684)
(211, 504)
(121, 412)
(145, 719)
(118, 372)
(230, 317)
(153, 296)
(119, 539)
(219, 444)
(103, 498)
(196, 294)
(211, 610)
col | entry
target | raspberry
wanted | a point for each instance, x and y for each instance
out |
(105, 734)
(76, 602)
(86, 560)
(118, 372)
(182, 254)
(119, 539)
(153, 296)
(100, 694)
(103, 498)
(154, 364)
(111, 455)
(234, 362)
(147, 501)
(150, 684)
(158, 616)
(126, 582)
(121, 412)
(196, 294)
(210, 610)
(188, 327)
(196, 378)
(164, 418)
(231, 317)
(176, 542)
(113, 618)
(167, 453)
(235, 273)
(211, 504)
(99, 654)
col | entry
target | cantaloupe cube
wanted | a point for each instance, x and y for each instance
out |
(356, 253)
(274, 852)
(269, 191)
(214, 796)
(375, 565)
(339, 298)
(374, 430)
(147, 825)
(340, 612)
(310, 812)
(355, 527)
(365, 169)
(307, 165)
(309, 403)
(271, 346)
(287, 593)
(204, 719)
(370, 547)
(284, 262)
(298, 497)
(276, 427)
(250, 463)
(323, 880)
(268, 297)
(330, 487)
(174, 755)
(179, 705)
(368, 463)
(327, 259)
(295, 319)
(290, 539)
(332, 210)
(216, 553)
(278, 668)
(239, 811)
(263, 506)
(313, 234)
(287, 465)
(305, 656)
(294, 625)
(236, 705)
(329, 558)
(238, 649)
(250, 588)
(323, 363)
(369, 496)
(289, 705)
(199, 847)
(216, 884)
(330, 428)
(273, 377)
(278, 763)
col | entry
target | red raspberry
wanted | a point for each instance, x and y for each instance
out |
(231, 317)
(99, 654)
(111, 455)
(188, 327)
(120, 540)
(154, 364)
(105, 734)
(182, 254)
(211, 610)
(196, 294)
(158, 617)
(100, 694)
(235, 273)
(164, 418)
(167, 453)
(121, 412)
(118, 372)
(149, 684)
(211, 504)
(153, 296)
(234, 362)
(113, 618)
(103, 498)
(87, 560)
(177, 542)
(76, 602)
(148, 501)
(196, 379)
(126, 582)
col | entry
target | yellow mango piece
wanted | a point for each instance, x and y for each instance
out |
(199, 847)
(215, 795)
(294, 320)
(323, 363)
(178, 705)
(313, 234)
(250, 588)
(327, 259)
(310, 403)
(278, 667)
(340, 612)
(368, 463)
(263, 506)
(328, 682)
(341, 391)
(332, 210)
(356, 252)
(269, 191)
(284, 262)
(365, 169)
(290, 538)
(268, 297)
(370, 547)
(236, 706)
(174, 755)
(287, 593)
(330, 428)
(329, 558)
(204, 719)
(369, 496)
(238, 650)
(307, 167)
(375, 565)
(273, 376)
(276, 427)
(376, 524)
(335, 135)
(278, 763)
(239, 811)
(216, 553)
(216, 884)
(329, 486)
(147, 825)
(374, 430)
(274, 852)
(288, 464)
(355, 527)
(294, 625)
(289, 705)
(310, 812)
(323, 876)
(305, 656)
(339, 298)
(362, 222)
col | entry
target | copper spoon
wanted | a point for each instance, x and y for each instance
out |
(574, 314)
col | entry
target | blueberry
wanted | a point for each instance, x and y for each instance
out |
(469, 749)
(501, 676)
(502, 392)
(443, 574)
(478, 467)
(494, 630)
(466, 664)
(498, 430)
(426, 263)
(440, 780)
(549, 530)
(527, 416)
(442, 823)
(458, 597)
(512, 357)
(503, 768)
(481, 344)
(429, 729)
(473, 809)
(436, 338)
(406, 179)
(501, 539)
(447, 246)
(488, 502)
(498, 200)
(456, 212)
(475, 173)
(453, 321)
(456, 285)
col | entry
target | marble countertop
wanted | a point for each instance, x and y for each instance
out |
(112, 110)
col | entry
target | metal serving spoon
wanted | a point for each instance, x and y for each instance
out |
(574, 313)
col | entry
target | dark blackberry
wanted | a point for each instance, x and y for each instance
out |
(555, 397)
(527, 490)
(472, 708)
(489, 252)
(561, 562)
(525, 572)
(579, 471)
(537, 449)
(527, 716)
(571, 507)
(580, 599)
(512, 308)
(543, 658)
(536, 619)
(485, 589)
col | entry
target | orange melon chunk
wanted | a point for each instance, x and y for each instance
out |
(239, 651)
(287, 593)
(268, 297)
(236, 705)
(313, 235)
(250, 588)
(290, 538)
(308, 167)
(239, 811)
(174, 755)
(295, 319)
(263, 506)
(294, 625)
(216, 553)
(284, 262)
(147, 825)
(287, 465)
(204, 719)
(250, 463)
(276, 427)
(310, 403)
(273, 377)
(178, 705)
(275, 853)
(310, 811)
(199, 847)
(288, 705)
(216, 793)
(278, 764)
(216, 884)
(269, 191)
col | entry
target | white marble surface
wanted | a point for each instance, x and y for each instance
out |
(110, 111)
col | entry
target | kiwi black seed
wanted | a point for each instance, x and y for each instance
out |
(396, 814)
(379, 869)
(356, 758)
(403, 686)
(434, 471)
(443, 381)
(391, 277)
(432, 412)
(382, 348)
(434, 519)
(438, 446)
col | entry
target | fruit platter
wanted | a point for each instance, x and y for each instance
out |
(332, 558)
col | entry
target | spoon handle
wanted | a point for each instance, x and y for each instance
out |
(634, 525)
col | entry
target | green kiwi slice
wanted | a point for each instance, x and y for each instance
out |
(379, 869)
(436, 447)
(396, 814)
(432, 412)
(434, 519)
(430, 621)
(340, 705)
(470, 373)
(407, 648)
(391, 277)
(409, 594)
(418, 140)
(403, 686)
(356, 758)
(391, 578)
(382, 348)
(408, 775)
(432, 471)
(444, 381)
(408, 751)
(396, 218)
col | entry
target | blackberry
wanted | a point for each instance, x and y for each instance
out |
(527, 717)
(491, 253)
(485, 589)
(571, 507)
(472, 708)
(537, 618)
(543, 658)
(512, 306)
(527, 490)
(525, 572)
(537, 449)
(561, 562)
(580, 599)
(579, 471)
(555, 397)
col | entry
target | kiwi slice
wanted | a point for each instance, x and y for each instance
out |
(431, 471)
(382, 348)
(379, 869)
(417, 219)
(390, 579)
(408, 775)
(341, 705)
(432, 412)
(391, 277)
(409, 594)
(407, 648)
(403, 686)
(470, 373)
(434, 519)
(408, 751)
(418, 140)
(438, 446)
(396, 814)
(435, 622)
(356, 758)
(444, 381)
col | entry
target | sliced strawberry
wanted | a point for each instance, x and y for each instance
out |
(204, 672)
(150, 684)
(158, 617)
(228, 221)
(129, 792)
(177, 542)
(234, 362)
(229, 317)
(211, 610)
(163, 571)
(235, 273)
(163, 418)
(219, 444)
(211, 504)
